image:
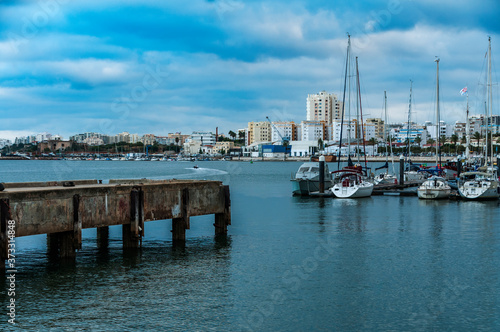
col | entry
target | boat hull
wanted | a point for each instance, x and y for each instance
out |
(303, 187)
(430, 193)
(479, 190)
(364, 189)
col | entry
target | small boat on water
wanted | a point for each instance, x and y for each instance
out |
(306, 180)
(434, 187)
(195, 167)
(350, 183)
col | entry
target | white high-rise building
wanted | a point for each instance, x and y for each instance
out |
(323, 107)
(313, 130)
(285, 129)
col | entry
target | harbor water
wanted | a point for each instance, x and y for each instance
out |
(382, 263)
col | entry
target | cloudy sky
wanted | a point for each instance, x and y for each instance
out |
(147, 66)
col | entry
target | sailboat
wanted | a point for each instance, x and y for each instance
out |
(386, 178)
(435, 187)
(483, 183)
(350, 182)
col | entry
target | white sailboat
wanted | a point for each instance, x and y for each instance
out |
(386, 177)
(482, 184)
(350, 181)
(435, 187)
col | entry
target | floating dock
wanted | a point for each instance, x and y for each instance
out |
(62, 209)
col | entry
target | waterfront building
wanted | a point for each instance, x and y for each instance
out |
(460, 129)
(54, 146)
(148, 139)
(204, 137)
(93, 141)
(192, 147)
(285, 129)
(43, 137)
(224, 146)
(444, 130)
(303, 148)
(313, 130)
(258, 132)
(80, 138)
(323, 107)
(5, 142)
(401, 135)
(173, 136)
(378, 125)
(348, 128)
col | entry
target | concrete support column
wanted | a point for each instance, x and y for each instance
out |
(4, 218)
(62, 244)
(132, 233)
(102, 237)
(65, 244)
(179, 225)
(222, 220)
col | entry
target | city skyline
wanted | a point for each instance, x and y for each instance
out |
(150, 67)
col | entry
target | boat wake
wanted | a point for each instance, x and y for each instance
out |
(206, 171)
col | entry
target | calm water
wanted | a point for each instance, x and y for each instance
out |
(288, 264)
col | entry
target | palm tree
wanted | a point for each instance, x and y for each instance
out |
(177, 144)
(418, 140)
(285, 144)
(454, 139)
(431, 141)
(320, 144)
(232, 134)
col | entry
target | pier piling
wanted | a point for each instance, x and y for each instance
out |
(222, 220)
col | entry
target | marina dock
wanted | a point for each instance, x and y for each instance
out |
(62, 209)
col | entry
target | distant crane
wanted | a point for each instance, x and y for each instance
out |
(284, 140)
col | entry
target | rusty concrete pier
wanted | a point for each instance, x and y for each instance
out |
(62, 209)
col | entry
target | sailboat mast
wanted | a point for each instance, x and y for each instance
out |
(467, 130)
(361, 116)
(343, 103)
(490, 98)
(358, 101)
(438, 155)
(486, 134)
(409, 122)
(386, 136)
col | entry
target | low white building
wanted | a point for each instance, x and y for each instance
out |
(304, 148)
(204, 137)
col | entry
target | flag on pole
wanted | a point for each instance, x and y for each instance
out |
(463, 91)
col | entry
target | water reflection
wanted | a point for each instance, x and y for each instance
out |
(120, 284)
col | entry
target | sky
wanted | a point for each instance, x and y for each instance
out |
(158, 67)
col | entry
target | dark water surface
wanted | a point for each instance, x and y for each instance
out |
(289, 263)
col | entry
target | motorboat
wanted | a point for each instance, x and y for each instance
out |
(434, 187)
(306, 180)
